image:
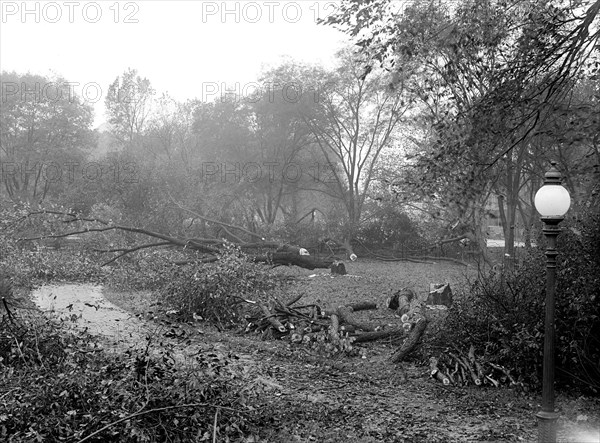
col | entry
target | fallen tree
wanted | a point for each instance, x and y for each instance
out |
(259, 249)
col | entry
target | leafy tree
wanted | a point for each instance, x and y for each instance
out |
(169, 131)
(128, 104)
(224, 145)
(282, 141)
(45, 133)
(353, 121)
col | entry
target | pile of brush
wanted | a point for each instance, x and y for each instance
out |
(456, 368)
(279, 318)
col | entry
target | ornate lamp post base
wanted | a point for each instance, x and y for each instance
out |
(547, 426)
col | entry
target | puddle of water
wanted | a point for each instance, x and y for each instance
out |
(88, 309)
(84, 306)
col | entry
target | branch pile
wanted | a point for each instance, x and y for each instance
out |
(456, 368)
(303, 323)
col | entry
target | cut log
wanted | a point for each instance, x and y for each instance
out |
(346, 314)
(411, 341)
(468, 369)
(271, 318)
(436, 372)
(506, 372)
(290, 258)
(364, 306)
(448, 372)
(334, 334)
(379, 335)
(296, 338)
(417, 311)
(475, 364)
(348, 329)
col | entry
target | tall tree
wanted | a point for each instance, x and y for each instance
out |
(45, 133)
(354, 120)
(282, 139)
(128, 104)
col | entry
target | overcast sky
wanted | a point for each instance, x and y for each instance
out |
(183, 47)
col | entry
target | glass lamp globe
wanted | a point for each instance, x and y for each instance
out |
(552, 201)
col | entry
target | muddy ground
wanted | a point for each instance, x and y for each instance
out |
(364, 398)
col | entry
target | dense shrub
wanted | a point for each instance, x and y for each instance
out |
(391, 228)
(58, 386)
(215, 291)
(503, 313)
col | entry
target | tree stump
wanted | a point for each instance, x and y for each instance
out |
(439, 294)
(338, 268)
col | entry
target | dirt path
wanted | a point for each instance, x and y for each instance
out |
(313, 399)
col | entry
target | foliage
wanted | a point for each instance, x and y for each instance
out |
(46, 133)
(503, 313)
(215, 291)
(45, 265)
(128, 104)
(60, 385)
(389, 227)
(29, 263)
(143, 270)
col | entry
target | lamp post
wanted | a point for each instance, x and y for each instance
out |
(552, 202)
